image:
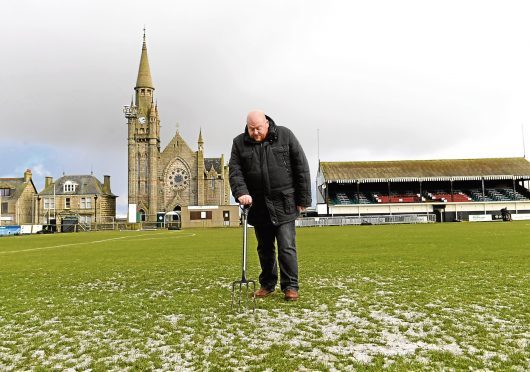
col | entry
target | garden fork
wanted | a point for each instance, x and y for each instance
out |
(249, 284)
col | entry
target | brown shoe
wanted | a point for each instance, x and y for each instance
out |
(291, 295)
(263, 292)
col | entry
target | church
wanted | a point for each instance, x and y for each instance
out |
(177, 178)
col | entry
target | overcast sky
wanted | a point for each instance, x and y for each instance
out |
(379, 80)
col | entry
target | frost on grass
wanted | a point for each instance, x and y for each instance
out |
(333, 333)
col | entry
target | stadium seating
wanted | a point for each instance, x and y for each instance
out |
(476, 195)
(511, 194)
(444, 196)
(342, 198)
(348, 197)
(345, 198)
(405, 197)
(497, 194)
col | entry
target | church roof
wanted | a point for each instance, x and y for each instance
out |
(86, 185)
(427, 170)
(215, 162)
(144, 79)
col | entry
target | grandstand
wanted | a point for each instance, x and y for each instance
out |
(455, 189)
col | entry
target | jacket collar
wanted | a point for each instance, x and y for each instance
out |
(271, 136)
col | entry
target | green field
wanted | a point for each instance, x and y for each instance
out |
(402, 297)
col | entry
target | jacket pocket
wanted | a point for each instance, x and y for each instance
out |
(288, 202)
(281, 155)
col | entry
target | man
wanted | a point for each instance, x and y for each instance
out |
(269, 170)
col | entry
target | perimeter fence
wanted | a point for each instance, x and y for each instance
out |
(365, 220)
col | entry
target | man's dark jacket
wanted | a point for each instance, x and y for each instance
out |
(274, 172)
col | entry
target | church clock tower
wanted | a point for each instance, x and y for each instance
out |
(143, 143)
(176, 178)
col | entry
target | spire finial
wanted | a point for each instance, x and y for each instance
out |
(144, 33)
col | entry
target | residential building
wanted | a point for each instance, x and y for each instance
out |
(17, 200)
(82, 198)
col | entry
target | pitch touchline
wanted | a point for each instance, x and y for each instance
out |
(93, 242)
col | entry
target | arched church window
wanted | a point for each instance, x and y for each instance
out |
(178, 177)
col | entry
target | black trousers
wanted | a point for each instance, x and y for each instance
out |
(285, 237)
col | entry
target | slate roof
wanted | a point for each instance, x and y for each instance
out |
(86, 185)
(427, 170)
(215, 162)
(16, 184)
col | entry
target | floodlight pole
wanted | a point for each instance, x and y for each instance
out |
(54, 207)
(37, 213)
(524, 146)
(96, 210)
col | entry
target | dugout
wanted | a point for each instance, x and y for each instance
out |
(452, 189)
(69, 223)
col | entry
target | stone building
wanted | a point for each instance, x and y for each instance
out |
(17, 200)
(168, 180)
(80, 197)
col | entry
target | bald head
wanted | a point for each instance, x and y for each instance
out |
(257, 125)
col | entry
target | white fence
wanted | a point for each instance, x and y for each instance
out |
(365, 220)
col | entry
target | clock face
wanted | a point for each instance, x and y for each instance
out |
(141, 119)
(179, 178)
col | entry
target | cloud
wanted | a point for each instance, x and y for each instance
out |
(379, 80)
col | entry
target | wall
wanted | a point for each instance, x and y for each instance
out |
(456, 210)
(217, 218)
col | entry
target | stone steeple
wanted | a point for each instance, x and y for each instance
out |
(200, 141)
(200, 170)
(175, 178)
(144, 143)
(144, 84)
(144, 79)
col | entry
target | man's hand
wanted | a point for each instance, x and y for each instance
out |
(300, 208)
(245, 200)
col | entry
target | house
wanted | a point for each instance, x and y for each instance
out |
(79, 198)
(17, 200)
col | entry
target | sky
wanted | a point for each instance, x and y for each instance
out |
(354, 80)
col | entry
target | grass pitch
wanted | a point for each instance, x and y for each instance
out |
(441, 296)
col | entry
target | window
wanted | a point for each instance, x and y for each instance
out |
(67, 203)
(85, 219)
(49, 203)
(5, 192)
(201, 215)
(86, 203)
(69, 186)
(4, 207)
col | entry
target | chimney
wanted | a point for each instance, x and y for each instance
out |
(27, 175)
(106, 184)
(48, 181)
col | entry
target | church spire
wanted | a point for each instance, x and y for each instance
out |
(144, 72)
(200, 142)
